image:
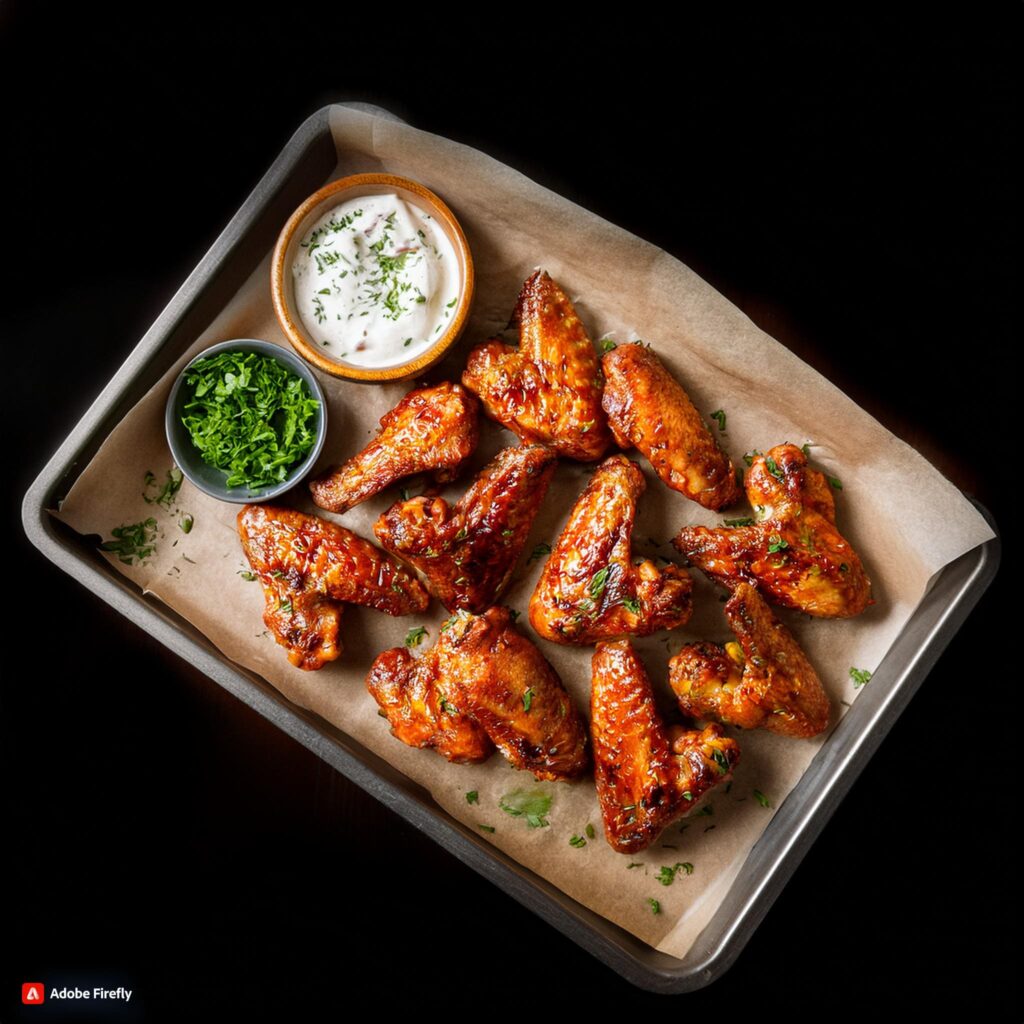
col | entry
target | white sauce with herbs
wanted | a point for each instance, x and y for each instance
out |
(376, 281)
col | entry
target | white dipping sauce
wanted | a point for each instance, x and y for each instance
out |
(376, 281)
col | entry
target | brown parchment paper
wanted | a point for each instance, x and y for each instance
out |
(903, 517)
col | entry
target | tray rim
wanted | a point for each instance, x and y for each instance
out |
(797, 823)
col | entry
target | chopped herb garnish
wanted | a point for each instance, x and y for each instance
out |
(448, 708)
(472, 797)
(186, 523)
(721, 761)
(577, 841)
(285, 606)
(634, 864)
(540, 551)
(166, 493)
(776, 543)
(806, 449)
(598, 582)
(654, 905)
(462, 534)
(249, 577)
(452, 303)
(719, 416)
(860, 676)
(745, 521)
(513, 614)
(607, 344)
(486, 828)
(250, 416)
(667, 874)
(528, 699)
(631, 604)
(415, 636)
(835, 482)
(531, 804)
(590, 831)
(133, 542)
(749, 457)
(705, 811)
(761, 798)
(773, 467)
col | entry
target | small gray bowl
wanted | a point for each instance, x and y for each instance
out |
(211, 480)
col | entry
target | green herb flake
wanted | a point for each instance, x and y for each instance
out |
(577, 841)
(776, 543)
(166, 494)
(531, 804)
(806, 449)
(186, 523)
(667, 874)
(133, 542)
(452, 303)
(773, 467)
(250, 416)
(719, 417)
(528, 699)
(540, 551)
(749, 457)
(285, 606)
(745, 521)
(607, 344)
(860, 676)
(721, 761)
(598, 582)
(835, 482)
(631, 604)
(761, 798)
(513, 614)
(462, 534)
(590, 831)
(654, 905)
(486, 828)
(473, 797)
(634, 864)
(249, 577)
(415, 636)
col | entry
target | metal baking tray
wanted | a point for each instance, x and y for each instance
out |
(303, 165)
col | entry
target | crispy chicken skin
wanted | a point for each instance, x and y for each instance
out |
(483, 683)
(306, 565)
(795, 554)
(548, 390)
(467, 553)
(430, 429)
(648, 408)
(589, 589)
(769, 684)
(646, 775)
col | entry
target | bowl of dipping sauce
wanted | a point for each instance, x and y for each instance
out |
(372, 278)
(246, 420)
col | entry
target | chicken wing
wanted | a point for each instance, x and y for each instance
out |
(467, 553)
(548, 390)
(483, 681)
(764, 682)
(307, 565)
(589, 589)
(648, 408)
(794, 553)
(430, 429)
(646, 775)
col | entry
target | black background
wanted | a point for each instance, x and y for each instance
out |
(846, 183)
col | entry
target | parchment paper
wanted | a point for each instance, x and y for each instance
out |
(902, 516)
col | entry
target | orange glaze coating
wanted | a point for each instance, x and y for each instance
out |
(467, 553)
(306, 565)
(483, 675)
(646, 775)
(648, 408)
(431, 429)
(590, 590)
(795, 554)
(773, 686)
(548, 390)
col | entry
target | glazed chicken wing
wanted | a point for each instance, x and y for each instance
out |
(467, 553)
(307, 565)
(548, 390)
(482, 683)
(764, 682)
(646, 775)
(794, 553)
(648, 408)
(590, 590)
(430, 429)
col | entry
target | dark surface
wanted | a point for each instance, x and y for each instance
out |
(848, 186)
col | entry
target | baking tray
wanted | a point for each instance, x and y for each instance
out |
(303, 165)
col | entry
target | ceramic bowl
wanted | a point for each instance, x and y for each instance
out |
(208, 478)
(282, 284)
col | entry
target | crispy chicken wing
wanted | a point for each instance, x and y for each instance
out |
(648, 408)
(764, 682)
(795, 553)
(467, 553)
(483, 683)
(589, 589)
(430, 429)
(646, 775)
(306, 565)
(548, 390)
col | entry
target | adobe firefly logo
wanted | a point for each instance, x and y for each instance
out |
(33, 993)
